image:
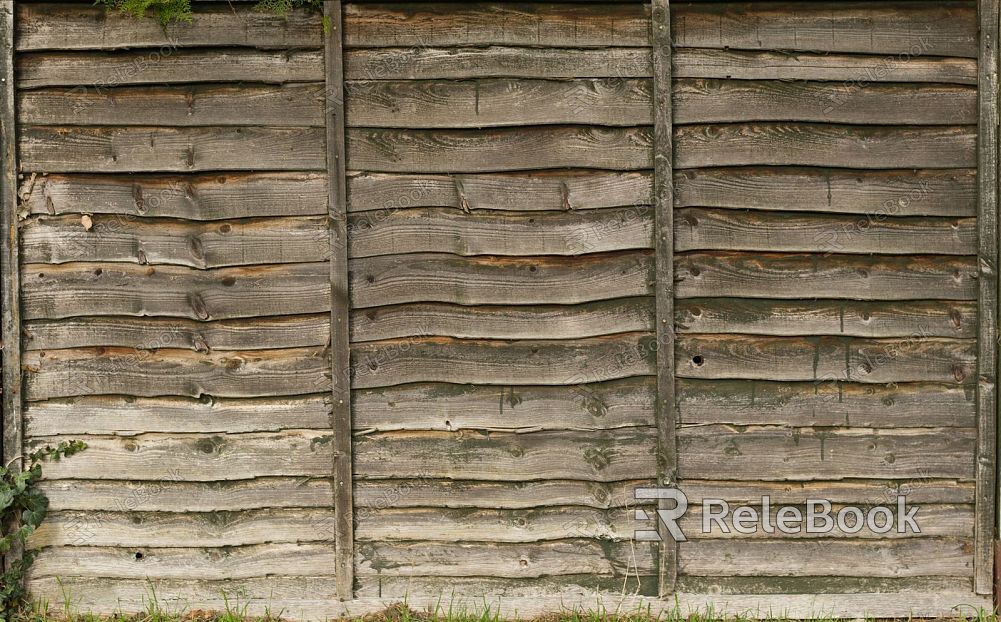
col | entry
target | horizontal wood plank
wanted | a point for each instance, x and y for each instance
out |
(87, 289)
(438, 277)
(141, 149)
(858, 277)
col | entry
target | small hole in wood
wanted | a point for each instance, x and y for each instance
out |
(698, 360)
(139, 555)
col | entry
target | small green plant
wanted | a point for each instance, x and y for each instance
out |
(22, 509)
(167, 11)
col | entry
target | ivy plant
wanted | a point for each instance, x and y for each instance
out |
(167, 11)
(22, 509)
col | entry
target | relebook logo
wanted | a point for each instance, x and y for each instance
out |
(814, 516)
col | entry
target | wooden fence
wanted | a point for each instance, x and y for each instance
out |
(410, 305)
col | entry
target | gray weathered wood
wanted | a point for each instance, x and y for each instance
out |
(727, 229)
(111, 238)
(825, 403)
(82, 289)
(500, 149)
(439, 359)
(877, 194)
(141, 149)
(780, 453)
(439, 277)
(814, 144)
(198, 104)
(103, 371)
(98, 71)
(192, 197)
(854, 277)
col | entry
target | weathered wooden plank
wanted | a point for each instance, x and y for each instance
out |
(88, 27)
(197, 457)
(499, 149)
(828, 317)
(815, 144)
(128, 416)
(905, 28)
(507, 23)
(141, 149)
(439, 277)
(147, 333)
(504, 322)
(340, 304)
(856, 70)
(727, 229)
(813, 276)
(492, 362)
(186, 562)
(86, 289)
(430, 63)
(780, 453)
(544, 191)
(111, 238)
(899, 558)
(500, 102)
(103, 371)
(173, 495)
(192, 197)
(877, 194)
(290, 105)
(733, 101)
(606, 456)
(506, 559)
(821, 586)
(985, 541)
(599, 406)
(200, 529)
(829, 402)
(429, 230)
(87, 71)
(830, 359)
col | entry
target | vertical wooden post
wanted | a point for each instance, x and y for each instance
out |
(340, 346)
(667, 451)
(987, 250)
(9, 260)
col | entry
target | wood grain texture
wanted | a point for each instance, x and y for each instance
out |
(780, 453)
(504, 322)
(450, 230)
(291, 105)
(86, 289)
(440, 359)
(853, 277)
(197, 457)
(108, 371)
(436, 63)
(832, 359)
(823, 403)
(129, 416)
(850, 68)
(501, 149)
(498, 102)
(110, 238)
(85, 27)
(877, 194)
(98, 71)
(192, 197)
(142, 149)
(800, 144)
(727, 229)
(441, 407)
(438, 277)
(912, 319)
(606, 456)
(542, 191)
(904, 28)
(507, 23)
